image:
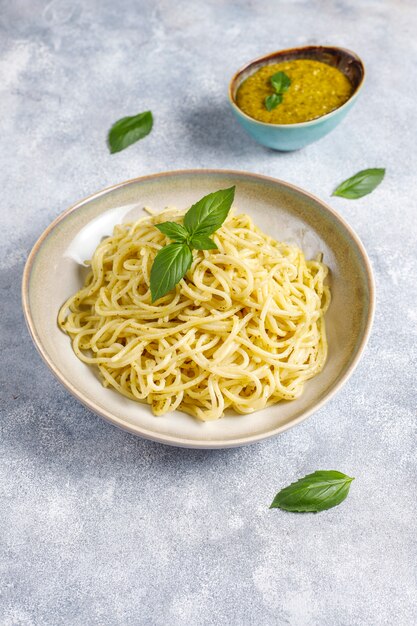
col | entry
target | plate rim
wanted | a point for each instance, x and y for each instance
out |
(170, 439)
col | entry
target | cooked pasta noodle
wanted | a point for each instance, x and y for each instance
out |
(243, 329)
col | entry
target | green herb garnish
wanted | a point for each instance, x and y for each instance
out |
(280, 82)
(201, 220)
(315, 492)
(174, 231)
(273, 100)
(128, 130)
(360, 184)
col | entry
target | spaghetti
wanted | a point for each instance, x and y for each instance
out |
(243, 329)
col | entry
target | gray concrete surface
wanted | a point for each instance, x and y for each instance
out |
(98, 527)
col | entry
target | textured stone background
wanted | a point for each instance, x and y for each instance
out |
(98, 527)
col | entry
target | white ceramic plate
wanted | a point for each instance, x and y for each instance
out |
(54, 271)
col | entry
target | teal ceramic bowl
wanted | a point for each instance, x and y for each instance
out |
(287, 137)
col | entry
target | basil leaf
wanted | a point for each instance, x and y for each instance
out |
(128, 130)
(272, 101)
(203, 218)
(315, 492)
(202, 242)
(174, 231)
(360, 184)
(209, 213)
(170, 265)
(280, 82)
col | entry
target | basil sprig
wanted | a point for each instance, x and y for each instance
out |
(315, 492)
(280, 82)
(273, 100)
(360, 184)
(174, 260)
(128, 130)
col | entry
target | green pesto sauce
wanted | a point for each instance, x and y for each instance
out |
(316, 89)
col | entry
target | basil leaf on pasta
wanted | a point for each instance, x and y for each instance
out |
(201, 220)
(170, 265)
(202, 242)
(174, 231)
(209, 213)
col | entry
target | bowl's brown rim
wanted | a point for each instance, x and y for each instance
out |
(278, 53)
(168, 439)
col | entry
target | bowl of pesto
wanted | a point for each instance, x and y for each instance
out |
(288, 99)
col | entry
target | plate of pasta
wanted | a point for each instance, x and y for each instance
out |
(198, 316)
